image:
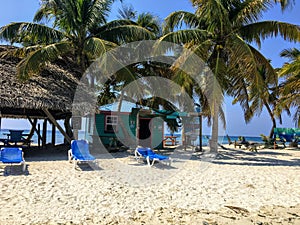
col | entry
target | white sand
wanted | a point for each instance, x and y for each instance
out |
(125, 190)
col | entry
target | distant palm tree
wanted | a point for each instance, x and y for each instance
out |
(79, 28)
(265, 95)
(290, 88)
(285, 3)
(135, 71)
(220, 32)
(146, 20)
(150, 22)
(127, 12)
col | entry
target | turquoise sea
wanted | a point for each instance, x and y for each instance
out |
(59, 137)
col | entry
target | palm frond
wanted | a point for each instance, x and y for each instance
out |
(285, 3)
(126, 33)
(127, 12)
(271, 74)
(150, 22)
(185, 36)
(97, 30)
(19, 52)
(215, 15)
(249, 11)
(95, 47)
(34, 62)
(46, 11)
(178, 19)
(291, 53)
(266, 29)
(17, 32)
(240, 54)
(292, 68)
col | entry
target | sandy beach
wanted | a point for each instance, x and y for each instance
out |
(237, 187)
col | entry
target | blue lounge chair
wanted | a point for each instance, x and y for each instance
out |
(150, 156)
(11, 155)
(80, 152)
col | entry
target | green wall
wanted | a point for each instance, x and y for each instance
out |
(157, 129)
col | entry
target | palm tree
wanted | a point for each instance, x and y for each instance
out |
(220, 32)
(150, 22)
(127, 12)
(290, 88)
(146, 19)
(285, 3)
(127, 75)
(79, 28)
(261, 96)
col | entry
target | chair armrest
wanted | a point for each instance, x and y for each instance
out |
(137, 155)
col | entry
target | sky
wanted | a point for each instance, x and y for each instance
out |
(23, 10)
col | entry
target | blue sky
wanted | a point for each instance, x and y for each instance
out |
(23, 10)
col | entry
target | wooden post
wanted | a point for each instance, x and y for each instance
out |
(39, 135)
(75, 133)
(53, 134)
(76, 124)
(200, 132)
(33, 124)
(32, 130)
(137, 129)
(183, 137)
(68, 129)
(44, 140)
(52, 119)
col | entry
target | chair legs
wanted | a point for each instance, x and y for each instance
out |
(153, 161)
(70, 155)
(23, 166)
(74, 163)
(149, 163)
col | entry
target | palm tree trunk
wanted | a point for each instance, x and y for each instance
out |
(213, 142)
(272, 118)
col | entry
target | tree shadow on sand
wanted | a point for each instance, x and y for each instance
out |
(261, 158)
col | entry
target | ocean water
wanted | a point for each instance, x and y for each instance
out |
(221, 139)
(60, 139)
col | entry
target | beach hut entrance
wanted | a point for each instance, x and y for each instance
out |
(144, 132)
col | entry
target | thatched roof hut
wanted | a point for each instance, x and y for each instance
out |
(52, 90)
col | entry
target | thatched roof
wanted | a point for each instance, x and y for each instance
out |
(53, 89)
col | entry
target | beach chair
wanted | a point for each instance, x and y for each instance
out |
(242, 141)
(16, 136)
(235, 143)
(80, 153)
(229, 140)
(12, 155)
(150, 156)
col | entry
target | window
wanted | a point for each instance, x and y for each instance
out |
(111, 123)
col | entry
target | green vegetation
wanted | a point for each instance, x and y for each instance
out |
(221, 32)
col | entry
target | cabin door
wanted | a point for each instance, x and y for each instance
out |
(144, 134)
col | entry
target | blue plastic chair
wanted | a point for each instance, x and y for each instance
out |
(80, 152)
(151, 156)
(13, 155)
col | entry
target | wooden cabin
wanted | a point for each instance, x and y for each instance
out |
(130, 126)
